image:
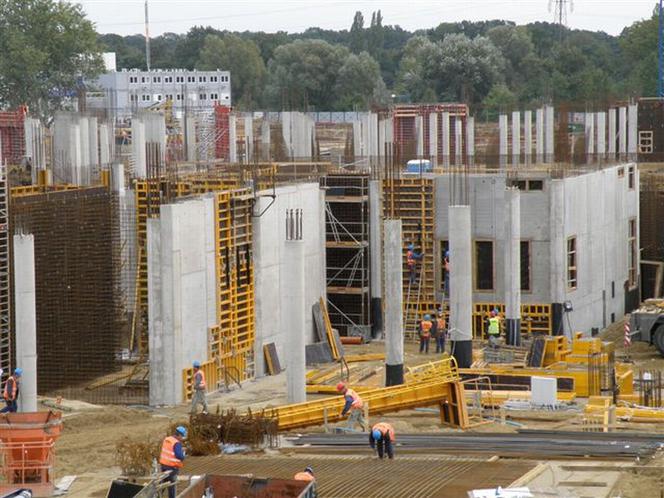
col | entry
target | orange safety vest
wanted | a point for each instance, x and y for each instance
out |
(426, 328)
(385, 429)
(410, 258)
(441, 324)
(167, 456)
(202, 374)
(357, 401)
(304, 476)
(10, 396)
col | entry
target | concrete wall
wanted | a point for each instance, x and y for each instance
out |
(182, 293)
(595, 207)
(270, 265)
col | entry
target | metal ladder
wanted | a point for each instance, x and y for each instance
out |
(412, 310)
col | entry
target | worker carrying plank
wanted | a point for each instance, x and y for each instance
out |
(354, 405)
(381, 439)
(171, 457)
(11, 391)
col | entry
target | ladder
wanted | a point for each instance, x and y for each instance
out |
(5, 332)
(412, 308)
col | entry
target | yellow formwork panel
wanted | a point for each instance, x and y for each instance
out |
(211, 371)
(41, 189)
(535, 318)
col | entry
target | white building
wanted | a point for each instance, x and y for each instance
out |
(126, 91)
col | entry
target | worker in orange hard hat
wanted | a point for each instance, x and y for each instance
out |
(354, 405)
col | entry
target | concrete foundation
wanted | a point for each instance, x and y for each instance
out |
(376, 255)
(512, 267)
(294, 321)
(394, 336)
(26, 319)
(461, 293)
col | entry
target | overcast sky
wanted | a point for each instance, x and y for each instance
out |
(127, 16)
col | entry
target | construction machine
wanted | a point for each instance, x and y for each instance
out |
(646, 324)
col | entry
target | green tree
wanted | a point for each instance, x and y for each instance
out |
(358, 39)
(499, 99)
(376, 35)
(359, 84)
(47, 49)
(243, 59)
(638, 45)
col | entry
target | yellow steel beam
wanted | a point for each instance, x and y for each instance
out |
(350, 358)
(325, 389)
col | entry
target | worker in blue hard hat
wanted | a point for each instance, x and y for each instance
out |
(412, 257)
(425, 333)
(381, 438)
(11, 391)
(172, 456)
(308, 475)
(200, 387)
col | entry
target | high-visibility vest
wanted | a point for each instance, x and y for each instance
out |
(167, 456)
(494, 325)
(200, 374)
(304, 476)
(357, 401)
(410, 258)
(426, 328)
(10, 395)
(441, 325)
(385, 429)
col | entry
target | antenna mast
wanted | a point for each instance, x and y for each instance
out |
(147, 36)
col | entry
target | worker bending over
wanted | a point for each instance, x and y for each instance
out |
(10, 393)
(411, 261)
(382, 439)
(199, 389)
(354, 405)
(494, 328)
(172, 456)
(307, 475)
(426, 326)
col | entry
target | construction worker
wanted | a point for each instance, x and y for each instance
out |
(10, 393)
(172, 456)
(354, 405)
(446, 265)
(425, 333)
(441, 332)
(382, 438)
(199, 389)
(494, 328)
(307, 475)
(412, 258)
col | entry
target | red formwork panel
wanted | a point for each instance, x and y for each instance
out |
(222, 129)
(12, 135)
(404, 128)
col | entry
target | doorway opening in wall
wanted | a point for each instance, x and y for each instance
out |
(571, 263)
(484, 265)
(632, 254)
(525, 265)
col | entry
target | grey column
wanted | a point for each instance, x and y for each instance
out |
(419, 130)
(528, 136)
(549, 130)
(502, 140)
(445, 128)
(516, 138)
(458, 141)
(248, 138)
(190, 138)
(232, 139)
(461, 295)
(512, 267)
(433, 138)
(539, 136)
(612, 134)
(265, 139)
(601, 135)
(393, 253)
(294, 296)
(118, 178)
(632, 131)
(376, 255)
(26, 319)
(470, 140)
(558, 270)
(590, 136)
(622, 133)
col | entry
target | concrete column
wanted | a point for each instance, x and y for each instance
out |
(433, 138)
(527, 136)
(601, 135)
(232, 138)
(376, 256)
(26, 319)
(118, 178)
(470, 140)
(138, 147)
(419, 130)
(190, 138)
(612, 133)
(622, 132)
(265, 139)
(393, 253)
(295, 316)
(632, 131)
(445, 127)
(558, 253)
(512, 267)
(248, 138)
(516, 138)
(461, 292)
(502, 140)
(549, 130)
(458, 141)
(589, 121)
(539, 136)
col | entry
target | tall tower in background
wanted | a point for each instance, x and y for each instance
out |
(559, 9)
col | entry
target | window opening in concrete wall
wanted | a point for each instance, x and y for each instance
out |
(571, 263)
(645, 142)
(535, 185)
(444, 247)
(632, 255)
(484, 265)
(630, 177)
(621, 172)
(525, 265)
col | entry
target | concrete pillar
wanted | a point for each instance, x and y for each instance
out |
(470, 141)
(558, 253)
(190, 138)
(296, 369)
(549, 131)
(502, 140)
(248, 138)
(445, 128)
(516, 138)
(527, 136)
(612, 133)
(512, 266)
(539, 136)
(589, 121)
(632, 131)
(118, 178)
(433, 138)
(138, 148)
(622, 132)
(601, 135)
(419, 130)
(458, 141)
(461, 292)
(393, 253)
(376, 256)
(265, 139)
(232, 139)
(26, 319)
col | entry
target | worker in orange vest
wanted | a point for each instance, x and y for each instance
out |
(172, 456)
(446, 266)
(10, 393)
(307, 475)
(382, 437)
(425, 333)
(354, 405)
(412, 258)
(441, 332)
(199, 389)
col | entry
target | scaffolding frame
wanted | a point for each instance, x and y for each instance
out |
(5, 282)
